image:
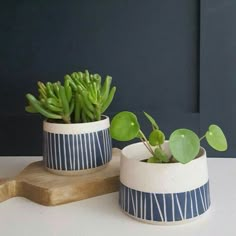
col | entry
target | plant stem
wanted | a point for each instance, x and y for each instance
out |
(148, 148)
(66, 119)
(202, 137)
(145, 142)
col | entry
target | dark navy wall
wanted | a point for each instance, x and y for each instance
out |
(218, 68)
(151, 48)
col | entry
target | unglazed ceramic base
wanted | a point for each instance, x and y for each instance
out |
(76, 172)
(168, 223)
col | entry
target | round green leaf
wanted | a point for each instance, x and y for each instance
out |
(156, 137)
(124, 126)
(216, 138)
(184, 145)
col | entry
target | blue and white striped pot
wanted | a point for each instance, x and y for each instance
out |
(161, 193)
(71, 149)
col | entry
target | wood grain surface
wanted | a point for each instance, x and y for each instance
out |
(43, 187)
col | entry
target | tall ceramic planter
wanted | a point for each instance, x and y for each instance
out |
(163, 193)
(71, 149)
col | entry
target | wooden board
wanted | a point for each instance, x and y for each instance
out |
(39, 185)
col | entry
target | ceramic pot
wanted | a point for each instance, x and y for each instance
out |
(163, 193)
(71, 149)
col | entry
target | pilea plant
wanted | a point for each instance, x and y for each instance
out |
(184, 144)
(82, 98)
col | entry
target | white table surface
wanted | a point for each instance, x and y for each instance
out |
(102, 216)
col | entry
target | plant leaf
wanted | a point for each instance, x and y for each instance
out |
(184, 145)
(124, 126)
(152, 160)
(156, 137)
(216, 138)
(151, 119)
(161, 155)
(31, 109)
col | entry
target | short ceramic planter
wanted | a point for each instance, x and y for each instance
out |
(72, 149)
(163, 193)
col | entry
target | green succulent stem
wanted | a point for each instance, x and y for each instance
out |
(98, 113)
(82, 98)
(66, 119)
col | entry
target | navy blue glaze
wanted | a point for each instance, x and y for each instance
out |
(71, 152)
(165, 207)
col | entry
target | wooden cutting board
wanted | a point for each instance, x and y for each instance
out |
(39, 185)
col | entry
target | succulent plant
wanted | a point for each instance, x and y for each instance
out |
(82, 98)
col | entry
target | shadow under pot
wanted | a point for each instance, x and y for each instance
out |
(81, 148)
(163, 193)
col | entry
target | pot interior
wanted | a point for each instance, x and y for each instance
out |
(139, 152)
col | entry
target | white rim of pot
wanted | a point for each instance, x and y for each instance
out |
(161, 177)
(77, 128)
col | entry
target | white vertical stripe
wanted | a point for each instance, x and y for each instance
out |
(204, 195)
(141, 205)
(104, 146)
(51, 153)
(179, 207)
(164, 203)
(124, 197)
(94, 151)
(71, 167)
(45, 152)
(191, 201)
(86, 150)
(59, 148)
(73, 150)
(82, 151)
(145, 208)
(99, 146)
(107, 141)
(196, 203)
(136, 203)
(132, 202)
(48, 154)
(108, 145)
(159, 208)
(151, 207)
(203, 204)
(90, 151)
(207, 196)
(185, 205)
(173, 206)
(128, 200)
(77, 154)
(64, 145)
(55, 150)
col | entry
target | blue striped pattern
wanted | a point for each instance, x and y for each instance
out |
(77, 151)
(157, 207)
